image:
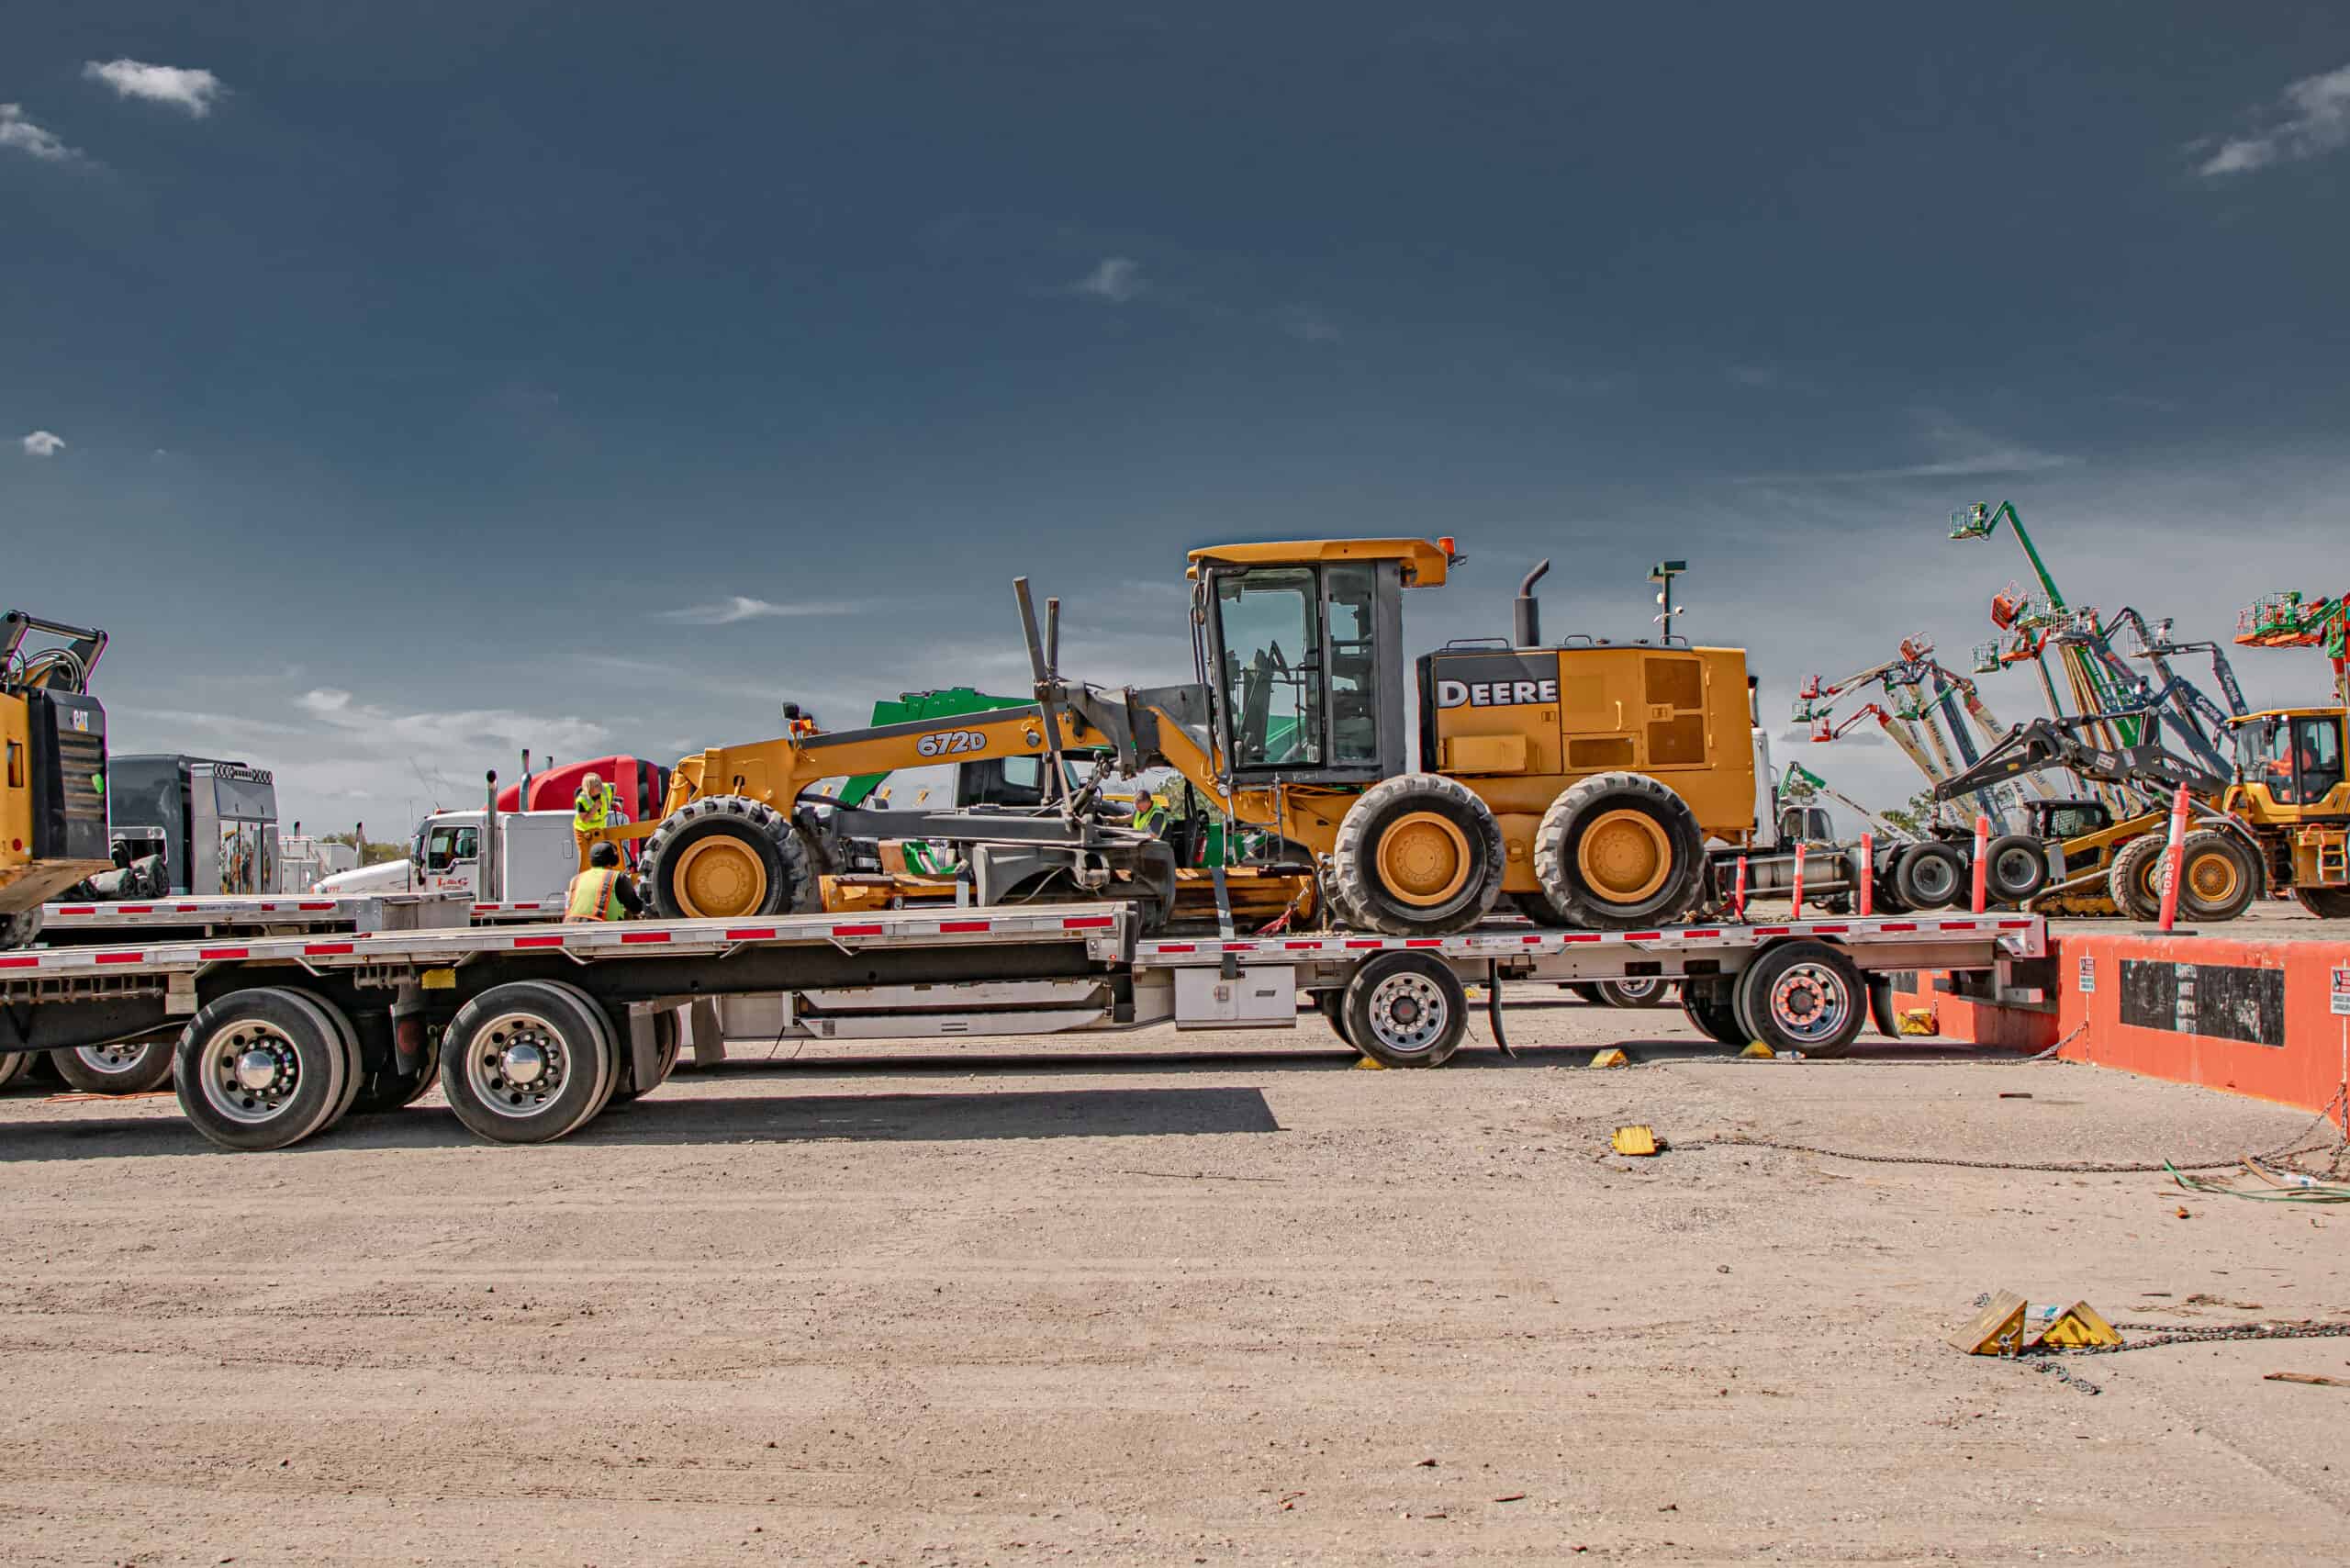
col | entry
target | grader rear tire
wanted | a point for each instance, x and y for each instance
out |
(726, 857)
(1617, 850)
(2326, 904)
(1418, 855)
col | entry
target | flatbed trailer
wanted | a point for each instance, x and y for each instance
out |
(80, 924)
(533, 1030)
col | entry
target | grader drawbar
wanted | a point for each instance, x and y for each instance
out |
(1581, 780)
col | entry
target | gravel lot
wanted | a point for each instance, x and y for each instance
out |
(1189, 1299)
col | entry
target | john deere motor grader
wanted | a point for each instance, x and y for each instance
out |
(52, 794)
(1583, 781)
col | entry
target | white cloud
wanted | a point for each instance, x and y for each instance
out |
(438, 733)
(742, 607)
(44, 443)
(22, 134)
(1961, 451)
(1117, 280)
(179, 86)
(2312, 117)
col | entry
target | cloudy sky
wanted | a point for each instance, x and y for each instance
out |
(403, 385)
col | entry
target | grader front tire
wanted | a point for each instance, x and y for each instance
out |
(726, 857)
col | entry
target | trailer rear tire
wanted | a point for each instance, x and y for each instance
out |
(2219, 876)
(1646, 992)
(1418, 855)
(123, 1066)
(667, 1037)
(390, 1091)
(1931, 876)
(1618, 850)
(260, 1069)
(1711, 1003)
(727, 856)
(527, 1061)
(1332, 1005)
(355, 1078)
(14, 1065)
(1406, 1010)
(2015, 868)
(1804, 996)
(2132, 878)
(1585, 991)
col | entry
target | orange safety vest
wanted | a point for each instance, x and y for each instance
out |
(593, 895)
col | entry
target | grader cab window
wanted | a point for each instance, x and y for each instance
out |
(1270, 622)
(1354, 665)
(2317, 746)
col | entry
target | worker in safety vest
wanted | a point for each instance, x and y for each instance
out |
(591, 808)
(603, 891)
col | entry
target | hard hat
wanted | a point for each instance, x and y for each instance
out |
(603, 853)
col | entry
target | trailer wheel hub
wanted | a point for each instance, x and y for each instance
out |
(1624, 856)
(1424, 859)
(255, 1069)
(522, 1063)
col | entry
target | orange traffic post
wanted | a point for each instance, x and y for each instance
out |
(2174, 855)
(1795, 899)
(1737, 898)
(1868, 875)
(1982, 860)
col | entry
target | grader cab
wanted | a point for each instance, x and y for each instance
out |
(1582, 779)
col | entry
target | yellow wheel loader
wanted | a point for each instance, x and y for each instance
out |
(1583, 781)
(53, 793)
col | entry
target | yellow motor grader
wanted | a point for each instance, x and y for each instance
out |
(1583, 781)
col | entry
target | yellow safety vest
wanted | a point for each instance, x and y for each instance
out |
(593, 895)
(588, 813)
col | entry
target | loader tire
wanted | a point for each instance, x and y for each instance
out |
(20, 928)
(2219, 876)
(2016, 866)
(1618, 850)
(1418, 855)
(2326, 904)
(725, 857)
(2132, 879)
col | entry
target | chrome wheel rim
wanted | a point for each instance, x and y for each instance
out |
(1407, 1013)
(1809, 1003)
(517, 1065)
(119, 1058)
(249, 1072)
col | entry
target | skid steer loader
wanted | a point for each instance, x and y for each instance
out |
(1582, 779)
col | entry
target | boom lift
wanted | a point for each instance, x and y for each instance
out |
(1583, 781)
(2289, 760)
(52, 794)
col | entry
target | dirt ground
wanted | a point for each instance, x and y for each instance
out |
(1186, 1299)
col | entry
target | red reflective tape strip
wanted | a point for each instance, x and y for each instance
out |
(324, 949)
(1313, 945)
(224, 952)
(1538, 936)
(1372, 942)
(856, 931)
(1644, 936)
(1694, 935)
(952, 927)
(486, 908)
(187, 908)
(1581, 936)
(77, 909)
(18, 963)
(1088, 922)
(2015, 925)
(1898, 925)
(634, 938)
(314, 906)
(538, 942)
(1177, 948)
(137, 908)
(1240, 947)
(119, 958)
(1836, 930)
(1771, 930)
(1422, 941)
(1958, 925)
(749, 932)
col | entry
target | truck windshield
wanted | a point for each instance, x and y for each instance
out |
(447, 846)
(1270, 623)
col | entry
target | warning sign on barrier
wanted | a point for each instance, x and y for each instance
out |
(2341, 992)
(2088, 974)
